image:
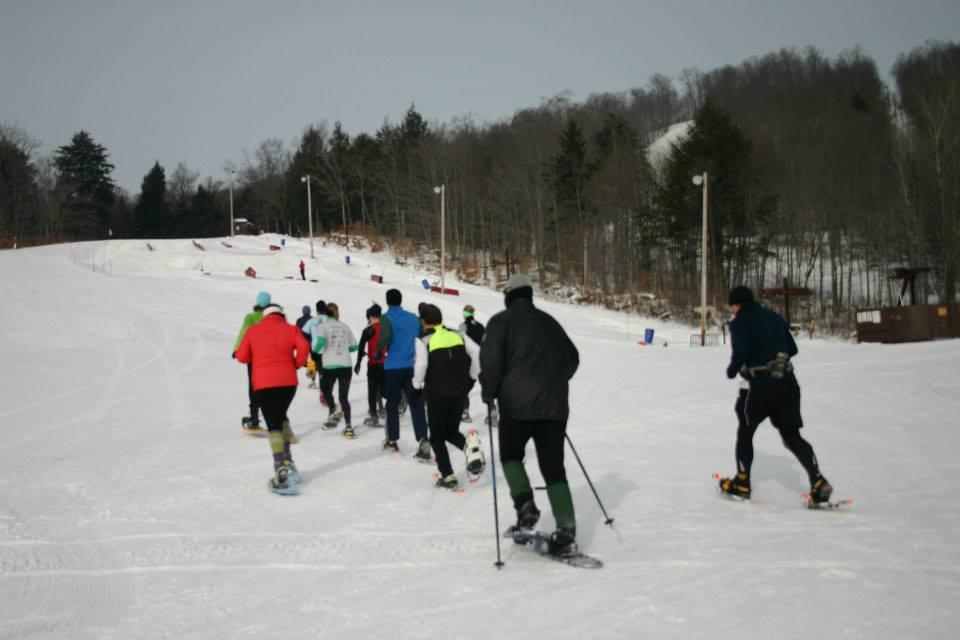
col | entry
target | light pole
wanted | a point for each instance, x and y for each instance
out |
(306, 179)
(442, 191)
(232, 172)
(698, 180)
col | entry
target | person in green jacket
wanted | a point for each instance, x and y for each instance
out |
(252, 422)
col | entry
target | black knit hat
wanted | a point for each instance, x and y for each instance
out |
(740, 295)
(394, 297)
(430, 314)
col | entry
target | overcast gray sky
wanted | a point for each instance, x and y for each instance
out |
(199, 81)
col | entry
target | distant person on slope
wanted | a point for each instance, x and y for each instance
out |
(251, 423)
(311, 328)
(447, 364)
(336, 342)
(761, 350)
(369, 339)
(303, 271)
(526, 363)
(276, 350)
(399, 330)
(470, 327)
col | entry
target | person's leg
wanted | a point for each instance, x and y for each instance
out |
(393, 382)
(344, 376)
(513, 437)
(454, 436)
(745, 432)
(373, 391)
(417, 412)
(254, 403)
(272, 403)
(786, 417)
(548, 438)
(438, 410)
(326, 388)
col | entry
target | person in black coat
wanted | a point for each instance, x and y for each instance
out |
(761, 350)
(526, 363)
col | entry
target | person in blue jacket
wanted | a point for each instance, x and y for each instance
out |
(399, 330)
(762, 347)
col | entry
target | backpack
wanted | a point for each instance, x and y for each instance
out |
(475, 330)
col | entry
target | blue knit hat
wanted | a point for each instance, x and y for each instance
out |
(263, 299)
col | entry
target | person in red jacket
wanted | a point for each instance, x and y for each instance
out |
(276, 350)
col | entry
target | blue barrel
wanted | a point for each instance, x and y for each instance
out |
(426, 285)
(346, 259)
(648, 336)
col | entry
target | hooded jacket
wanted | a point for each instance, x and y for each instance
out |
(526, 363)
(276, 349)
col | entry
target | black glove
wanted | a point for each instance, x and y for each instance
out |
(356, 369)
(234, 354)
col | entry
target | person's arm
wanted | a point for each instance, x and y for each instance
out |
(386, 334)
(248, 321)
(473, 350)
(420, 363)
(739, 348)
(365, 336)
(492, 358)
(319, 339)
(301, 349)
(244, 351)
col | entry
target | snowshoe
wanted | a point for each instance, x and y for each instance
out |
(563, 543)
(737, 487)
(333, 420)
(293, 474)
(391, 446)
(527, 517)
(423, 453)
(447, 482)
(371, 421)
(253, 427)
(820, 490)
(280, 482)
(349, 433)
(476, 462)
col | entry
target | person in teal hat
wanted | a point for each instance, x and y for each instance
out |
(251, 423)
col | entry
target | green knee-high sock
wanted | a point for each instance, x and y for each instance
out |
(517, 478)
(276, 445)
(562, 504)
(287, 439)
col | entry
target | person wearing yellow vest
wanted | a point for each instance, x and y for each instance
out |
(445, 366)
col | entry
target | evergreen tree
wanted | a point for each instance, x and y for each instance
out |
(152, 213)
(87, 187)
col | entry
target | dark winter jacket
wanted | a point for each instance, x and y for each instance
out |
(757, 335)
(526, 363)
(473, 329)
(447, 363)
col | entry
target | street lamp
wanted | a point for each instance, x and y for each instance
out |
(698, 180)
(442, 192)
(231, 172)
(306, 179)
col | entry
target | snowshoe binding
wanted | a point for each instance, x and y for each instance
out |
(737, 487)
(476, 462)
(349, 433)
(333, 420)
(280, 483)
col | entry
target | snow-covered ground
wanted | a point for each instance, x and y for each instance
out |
(133, 506)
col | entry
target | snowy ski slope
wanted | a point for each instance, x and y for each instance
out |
(132, 505)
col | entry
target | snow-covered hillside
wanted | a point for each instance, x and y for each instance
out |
(133, 506)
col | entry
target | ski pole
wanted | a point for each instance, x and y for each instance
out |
(493, 474)
(609, 520)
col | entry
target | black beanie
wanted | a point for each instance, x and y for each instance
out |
(430, 314)
(394, 297)
(321, 307)
(740, 295)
